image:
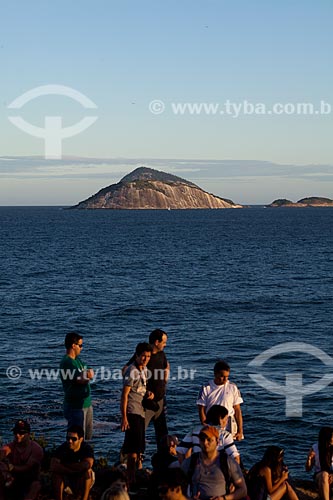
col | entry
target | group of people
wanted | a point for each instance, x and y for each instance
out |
(21, 462)
(205, 464)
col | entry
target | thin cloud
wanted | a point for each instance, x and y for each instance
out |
(113, 169)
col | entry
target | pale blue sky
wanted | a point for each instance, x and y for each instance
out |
(124, 54)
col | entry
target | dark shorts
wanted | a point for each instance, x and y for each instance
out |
(135, 436)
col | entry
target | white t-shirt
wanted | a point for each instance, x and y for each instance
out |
(191, 441)
(226, 395)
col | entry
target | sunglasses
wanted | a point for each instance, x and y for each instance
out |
(71, 438)
(80, 345)
(20, 433)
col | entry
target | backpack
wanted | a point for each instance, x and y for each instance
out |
(223, 466)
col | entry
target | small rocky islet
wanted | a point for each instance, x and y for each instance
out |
(147, 188)
(312, 201)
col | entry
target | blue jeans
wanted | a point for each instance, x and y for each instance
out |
(82, 417)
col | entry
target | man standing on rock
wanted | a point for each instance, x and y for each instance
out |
(132, 410)
(158, 372)
(220, 391)
(75, 377)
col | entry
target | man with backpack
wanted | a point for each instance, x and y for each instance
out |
(158, 371)
(211, 473)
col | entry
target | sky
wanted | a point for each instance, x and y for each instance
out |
(236, 96)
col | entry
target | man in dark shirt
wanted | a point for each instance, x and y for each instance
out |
(72, 464)
(20, 463)
(158, 373)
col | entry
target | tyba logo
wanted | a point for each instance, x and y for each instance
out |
(52, 133)
(293, 390)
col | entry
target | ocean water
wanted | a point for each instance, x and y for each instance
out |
(222, 283)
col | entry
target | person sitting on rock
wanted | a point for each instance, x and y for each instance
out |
(212, 473)
(72, 464)
(218, 416)
(20, 463)
(269, 477)
(320, 458)
(166, 455)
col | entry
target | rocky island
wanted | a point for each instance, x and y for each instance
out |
(312, 201)
(146, 188)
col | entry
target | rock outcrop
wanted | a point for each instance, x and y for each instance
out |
(146, 188)
(312, 201)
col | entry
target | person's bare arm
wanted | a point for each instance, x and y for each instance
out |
(310, 460)
(4, 451)
(239, 492)
(86, 376)
(202, 413)
(239, 420)
(86, 464)
(58, 468)
(267, 474)
(167, 373)
(123, 408)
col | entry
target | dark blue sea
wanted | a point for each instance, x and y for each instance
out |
(223, 284)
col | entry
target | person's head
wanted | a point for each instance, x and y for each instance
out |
(119, 479)
(173, 484)
(208, 438)
(112, 477)
(168, 444)
(217, 415)
(221, 372)
(142, 353)
(21, 431)
(158, 339)
(74, 437)
(273, 457)
(325, 437)
(74, 341)
(115, 492)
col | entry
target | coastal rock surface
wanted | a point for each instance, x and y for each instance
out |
(312, 201)
(146, 188)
